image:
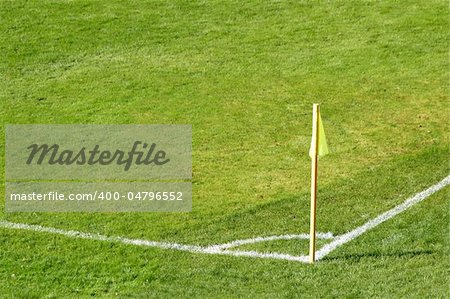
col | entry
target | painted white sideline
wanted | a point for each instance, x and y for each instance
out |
(223, 249)
(347, 237)
(98, 237)
(147, 243)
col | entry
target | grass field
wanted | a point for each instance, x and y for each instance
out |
(245, 75)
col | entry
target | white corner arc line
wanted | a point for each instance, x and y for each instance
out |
(222, 249)
(236, 243)
(349, 236)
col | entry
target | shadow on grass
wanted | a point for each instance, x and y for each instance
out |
(359, 256)
(344, 204)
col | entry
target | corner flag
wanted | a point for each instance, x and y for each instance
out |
(322, 147)
(319, 147)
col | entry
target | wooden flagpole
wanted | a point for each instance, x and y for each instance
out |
(315, 146)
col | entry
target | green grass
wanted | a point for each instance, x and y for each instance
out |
(245, 76)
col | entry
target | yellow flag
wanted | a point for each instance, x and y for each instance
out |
(322, 147)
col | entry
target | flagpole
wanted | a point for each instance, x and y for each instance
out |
(312, 223)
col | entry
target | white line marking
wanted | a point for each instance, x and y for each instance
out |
(347, 237)
(223, 248)
(147, 243)
(278, 256)
(92, 236)
(237, 243)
